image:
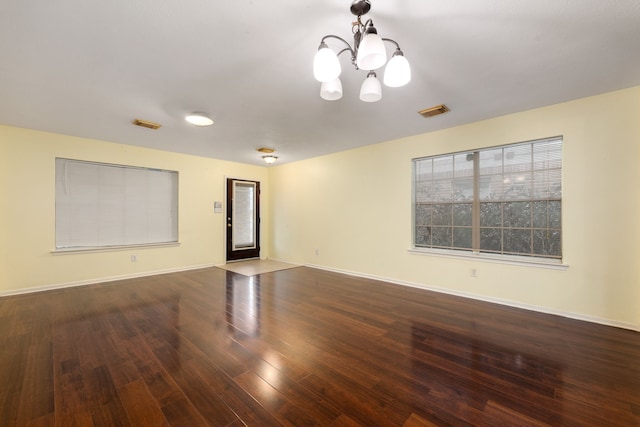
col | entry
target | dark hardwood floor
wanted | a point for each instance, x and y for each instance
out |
(303, 347)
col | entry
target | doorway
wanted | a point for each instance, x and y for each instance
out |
(243, 219)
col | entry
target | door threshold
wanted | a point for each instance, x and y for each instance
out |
(243, 259)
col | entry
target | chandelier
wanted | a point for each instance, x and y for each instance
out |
(368, 53)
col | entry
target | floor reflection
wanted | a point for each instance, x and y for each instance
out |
(243, 305)
(491, 372)
(104, 328)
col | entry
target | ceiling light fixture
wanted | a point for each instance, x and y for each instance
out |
(368, 53)
(270, 159)
(199, 119)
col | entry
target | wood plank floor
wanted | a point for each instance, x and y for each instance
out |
(303, 347)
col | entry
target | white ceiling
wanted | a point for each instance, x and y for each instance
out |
(88, 68)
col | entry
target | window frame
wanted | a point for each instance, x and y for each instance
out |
(474, 251)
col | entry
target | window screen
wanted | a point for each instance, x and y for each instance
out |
(103, 205)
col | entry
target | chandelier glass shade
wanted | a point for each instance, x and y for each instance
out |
(367, 53)
(371, 91)
(397, 72)
(326, 66)
(371, 53)
(331, 91)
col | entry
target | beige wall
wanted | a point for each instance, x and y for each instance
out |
(28, 212)
(355, 208)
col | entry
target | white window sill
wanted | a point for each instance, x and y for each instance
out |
(84, 250)
(552, 264)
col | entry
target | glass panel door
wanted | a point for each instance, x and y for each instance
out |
(243, 219)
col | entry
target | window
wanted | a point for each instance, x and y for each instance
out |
(102, 205)
(502, 200)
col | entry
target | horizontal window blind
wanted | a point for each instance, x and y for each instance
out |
(520, 199)
(104, 205)
(503, 200)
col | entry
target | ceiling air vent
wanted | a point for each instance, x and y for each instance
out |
(146, 124)
(434, 111)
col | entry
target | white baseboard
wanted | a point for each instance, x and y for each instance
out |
(101, 280)
(509, 303)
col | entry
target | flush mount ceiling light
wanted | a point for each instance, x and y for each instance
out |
(268, 157)
(199, 119)
(368, 53)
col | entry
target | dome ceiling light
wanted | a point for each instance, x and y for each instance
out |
(268, 157)
(199, 119)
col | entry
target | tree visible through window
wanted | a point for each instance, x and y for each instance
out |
(500, 200)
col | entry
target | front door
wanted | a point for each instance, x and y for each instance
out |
(243, 219)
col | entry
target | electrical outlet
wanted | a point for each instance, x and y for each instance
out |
(317, 251)
(134, 258)
(474, 272)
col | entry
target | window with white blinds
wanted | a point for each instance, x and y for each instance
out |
(105, 205)
(501, 200)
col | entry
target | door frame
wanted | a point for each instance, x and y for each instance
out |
(233, 254)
